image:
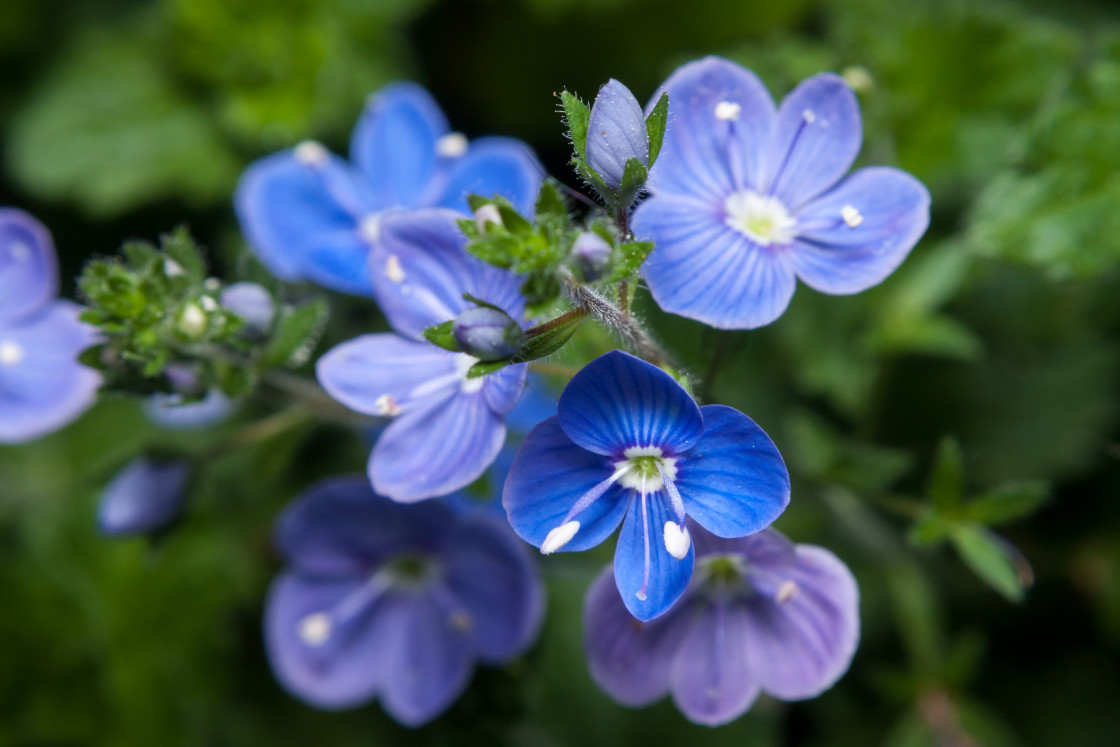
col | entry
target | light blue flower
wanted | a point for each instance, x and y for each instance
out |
(746, 198)
(310, 215)
(629, 445)
(146, 496)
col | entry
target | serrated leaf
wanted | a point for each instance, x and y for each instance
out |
(442, 336)
(989, 558)
(181, 247)
(514, 222)
(946, 486)
(577, 115)
(296, 332)
(1008, 502)
(655, 127)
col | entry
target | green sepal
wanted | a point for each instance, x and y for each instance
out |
(295, 333)
(946, 487)
(576, 115)
(633, 181)
(488, 367)
(1008, 502)
(442, 336)
(628, 257)
(540, 341)
(993, 559)
(655, 127)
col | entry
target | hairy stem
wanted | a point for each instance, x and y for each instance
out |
(614, 319)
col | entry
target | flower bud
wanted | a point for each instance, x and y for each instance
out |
(616, 132)
(487, 334)
(145, 496)
(193, 321)
(252, 303)
(487, 214)
(590, 255)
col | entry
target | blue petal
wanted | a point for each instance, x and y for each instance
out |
(834, 257)
(616, 132)
(385, 374)
(42, 385)
(144, 496)
(169, 410)
(668, 576)
(493, 166)
(421, 270)
(301, 219)
(816, 139)
(536, 404)
(734, 482)
(394, 143)
(28, 268)
(704, 156)
(705, 270)
(436, 449)
(619, 401)
(548, 476)
(503, 388)
(492, 576)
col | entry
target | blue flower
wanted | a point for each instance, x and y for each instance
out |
(616, 132)
(761, 615)
(396, 602)
(42, 385)
(628, 441)
(746, 198)
(447, 427)
(145, 496)
(310, 215)
(175, 411)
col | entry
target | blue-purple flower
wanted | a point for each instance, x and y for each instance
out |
(42, 385)
(394, 602)
(747, 197)
(310, 215)
(630, 445)
(616, 132)
(447, 427)
(761, 615)
(145, 496)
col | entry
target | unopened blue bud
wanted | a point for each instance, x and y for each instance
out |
(252, 303)
(616, 132)
(590, 255)
(487, 334)
(144, 496)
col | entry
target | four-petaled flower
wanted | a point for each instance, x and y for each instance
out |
(746, 198)
(394, 601)
(42, 385)
(761, 615)
(448, 427)
(310, 215)
(629, 441)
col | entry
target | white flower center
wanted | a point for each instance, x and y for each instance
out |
(639, 469)
(463, 363)
(728, 110)
(451, 145)
(11, 352)
(311, 153)
(315, 629)
(760, 218)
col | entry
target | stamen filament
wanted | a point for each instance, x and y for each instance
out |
(785, 159)
(563, 533)
(674, 494)
(645, 538)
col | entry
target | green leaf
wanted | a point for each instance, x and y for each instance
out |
(946, 487)
(576, 115)
(296, 332)
(442, 336)
(931, 529)
(633, 180)
(992, 559)
(655, 126)
(1008, 502)
(550, 203)
(628, 257)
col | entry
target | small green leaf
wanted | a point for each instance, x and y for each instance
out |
(487, 367)
(550, 203)
(546, 339)
(628, 257)
(576, 115)
(990, 558)
(592, 177)
(633, 180)
(946, 486)
(1008, 502)
(442, 336)
(296, 332)
(655, 126)
(931, 529)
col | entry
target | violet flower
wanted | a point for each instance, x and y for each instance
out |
(394, 602)
(145, 496)
(616, 132)
(629, 441)
(761, 615)
(746, 198)
(310, 215)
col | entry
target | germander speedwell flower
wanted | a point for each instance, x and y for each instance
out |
(629, 441)
(761, 615)
(746, 198)
(310, 215)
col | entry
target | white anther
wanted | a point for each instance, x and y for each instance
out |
(386, 406)
(677, 540)
(787, 591)
(809, 116)
(370, 228)
(311, 153)
(315, 629)
(207, 303)
(851, 216)
(192, 321)
(19, 251)
(173, 269)
(559, 537)
(393, 269)
(641, 595)
(487, 214)
(11, 352)
(728, 111)
(451, 145)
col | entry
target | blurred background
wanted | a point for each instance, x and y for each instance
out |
(952, 434)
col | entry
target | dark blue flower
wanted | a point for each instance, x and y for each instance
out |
(616, 132)
(42, 385)
(628, 441)
(145, 496)
(761, 615)
(395, 602)
(747, 197)
(447, 427)
(310, 215)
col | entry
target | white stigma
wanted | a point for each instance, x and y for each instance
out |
(559, 537)
(463, 363)
(809, 116)
(370, 228)
(393, 269)
(644, 478)
(677, 540)
(311, 153)
(19, 251)
(315, 629)
(487, 214)
(761, 218)
(386, 406)
(728, 111)
(787, 591)
(451, 145)
(851, 216)
(11, 353)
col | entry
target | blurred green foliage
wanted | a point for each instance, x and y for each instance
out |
(123, 118)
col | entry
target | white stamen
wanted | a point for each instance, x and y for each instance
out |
(677, 540)
(386, 406)
(787, 591)
(761, 218)
(851, 216)
(728, 110)
(315, 629)
(559, 537)
(311, 153)
(11, 352)
(393, 269)
(370, 228)
(809, 116)
(451, 145)
(487, 214)
(463, 364)
(19, 251)
(207, 303)
(173, 269)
